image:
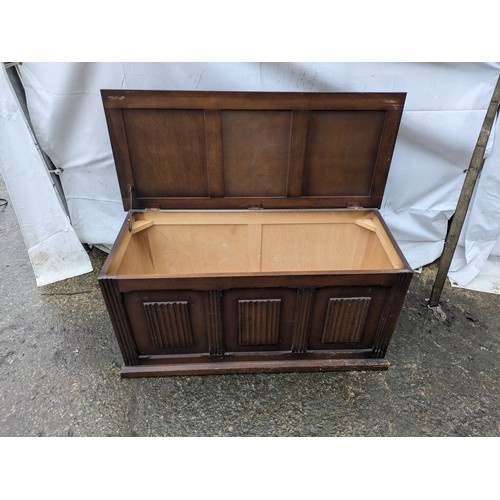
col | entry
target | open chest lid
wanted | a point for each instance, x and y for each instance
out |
(228, 150)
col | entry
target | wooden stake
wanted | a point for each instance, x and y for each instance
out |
(476, 164)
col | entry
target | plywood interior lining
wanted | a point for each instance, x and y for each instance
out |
(239, 242)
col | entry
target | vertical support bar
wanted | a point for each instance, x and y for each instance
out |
(213, 315)
(213, 144)
(476, 164)
(119, 319)
(301, 322)
(390, 313)
(116, 126)
(296, 158)
(386, 150)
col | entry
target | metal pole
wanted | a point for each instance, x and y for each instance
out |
(476, 164)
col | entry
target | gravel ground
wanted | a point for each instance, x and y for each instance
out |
(59, 371)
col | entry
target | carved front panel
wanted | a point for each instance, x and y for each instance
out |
(169, 324)
(345, 319)
(170, 321)
(259, 321)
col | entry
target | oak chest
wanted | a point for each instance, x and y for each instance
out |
(253, 240)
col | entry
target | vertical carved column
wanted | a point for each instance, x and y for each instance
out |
(390, 313)
(213, 314)
(119, 320)
(301, 322)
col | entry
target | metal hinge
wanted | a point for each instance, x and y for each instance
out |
(256, 208)
(354, 207)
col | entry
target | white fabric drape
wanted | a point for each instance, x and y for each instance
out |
(53, 247)
(444, 111)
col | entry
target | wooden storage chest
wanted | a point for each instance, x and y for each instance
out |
(253, 240)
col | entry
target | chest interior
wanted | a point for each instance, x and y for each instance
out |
(245, 242)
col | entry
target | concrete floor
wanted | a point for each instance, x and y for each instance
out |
(59, 371)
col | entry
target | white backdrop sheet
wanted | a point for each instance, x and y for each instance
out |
(53, 247)
(444, 111)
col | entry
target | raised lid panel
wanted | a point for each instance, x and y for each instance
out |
(168, 147)
(341, 145)
(237, 150)
(255, 150)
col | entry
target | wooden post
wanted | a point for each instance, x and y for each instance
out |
(457, 223)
